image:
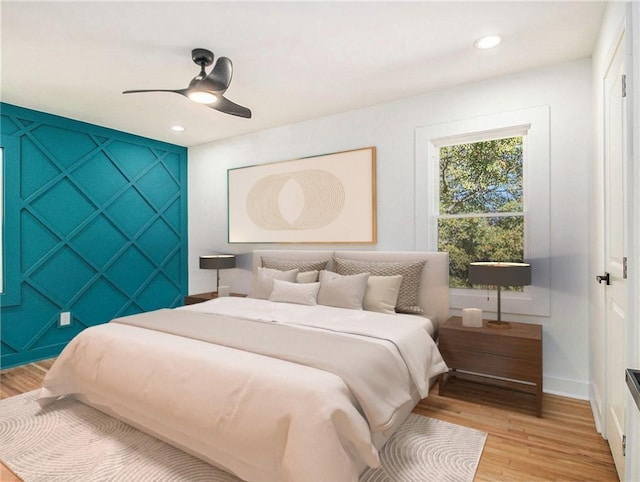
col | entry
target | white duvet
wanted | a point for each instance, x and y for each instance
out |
(262, 418)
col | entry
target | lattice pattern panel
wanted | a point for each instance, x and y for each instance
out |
(102, 229)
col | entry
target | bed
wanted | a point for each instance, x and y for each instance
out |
(294, 383)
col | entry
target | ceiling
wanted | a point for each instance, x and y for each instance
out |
(293, 61)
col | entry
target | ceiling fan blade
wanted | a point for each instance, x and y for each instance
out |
(178, 91)
(208, 89)
(225, 105)
(219, 78)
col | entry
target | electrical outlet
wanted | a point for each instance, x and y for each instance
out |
(65, 319)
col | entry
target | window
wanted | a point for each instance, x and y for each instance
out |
(481, 210)
(475, 179)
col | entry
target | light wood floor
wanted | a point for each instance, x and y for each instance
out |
(563, 445)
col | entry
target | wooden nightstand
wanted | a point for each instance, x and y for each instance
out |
(200, 297)
(509, 358)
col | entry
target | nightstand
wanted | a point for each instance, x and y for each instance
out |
(200, 297)
(510, 358)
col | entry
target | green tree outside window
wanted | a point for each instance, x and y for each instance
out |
(481, 204)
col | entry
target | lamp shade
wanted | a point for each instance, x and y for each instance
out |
(499, 274)
(218, 261)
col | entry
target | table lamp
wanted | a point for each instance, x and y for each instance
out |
(218, 262)
(499, 274)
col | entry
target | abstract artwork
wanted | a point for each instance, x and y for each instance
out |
(322, 199)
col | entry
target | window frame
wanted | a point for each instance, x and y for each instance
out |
(534, 125)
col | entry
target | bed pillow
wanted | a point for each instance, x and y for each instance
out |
(411, 271)
(263, 281)
(382, 294)
(307, 276)
(299, 293)
(284, 264)
(342, 291)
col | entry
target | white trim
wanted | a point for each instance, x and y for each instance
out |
(481, 215)
(632, 429)
(485, 135)
(534, 122)
(633, 91)
(596, 407)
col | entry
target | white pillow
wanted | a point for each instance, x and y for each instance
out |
(342, 291)
(263, 281)
(382, 294)
(300, 293)
(307, 276)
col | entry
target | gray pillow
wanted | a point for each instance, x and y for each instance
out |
(342, 291)
(411, 271)
(284, 264)
(263, 281)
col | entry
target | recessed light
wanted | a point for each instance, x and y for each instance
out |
(487, 42)
(177, 128)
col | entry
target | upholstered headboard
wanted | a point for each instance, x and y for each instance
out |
(434, 285)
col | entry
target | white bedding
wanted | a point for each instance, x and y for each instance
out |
(258, 309)
(262, 418)
(411, 334)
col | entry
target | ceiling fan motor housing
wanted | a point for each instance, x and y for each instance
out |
(202, 57)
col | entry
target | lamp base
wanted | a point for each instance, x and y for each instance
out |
(498, 325)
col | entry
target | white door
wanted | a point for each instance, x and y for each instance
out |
(615, 159)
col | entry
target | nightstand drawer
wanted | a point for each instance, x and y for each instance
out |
(511, 347)
(200, 297)
(494, 365)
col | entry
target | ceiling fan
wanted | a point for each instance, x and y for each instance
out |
(208, 89)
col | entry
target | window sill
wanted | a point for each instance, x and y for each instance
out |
(534, 301)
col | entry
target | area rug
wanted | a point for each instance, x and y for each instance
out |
(72, 441)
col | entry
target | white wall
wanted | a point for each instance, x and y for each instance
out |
(566, 88)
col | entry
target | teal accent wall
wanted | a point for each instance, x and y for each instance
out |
(95, 223)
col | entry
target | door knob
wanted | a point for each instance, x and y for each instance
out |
(606, 278)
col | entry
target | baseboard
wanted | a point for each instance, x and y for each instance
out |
(566, 388)
(23, 358)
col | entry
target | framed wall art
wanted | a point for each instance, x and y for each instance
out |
(329, 198)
